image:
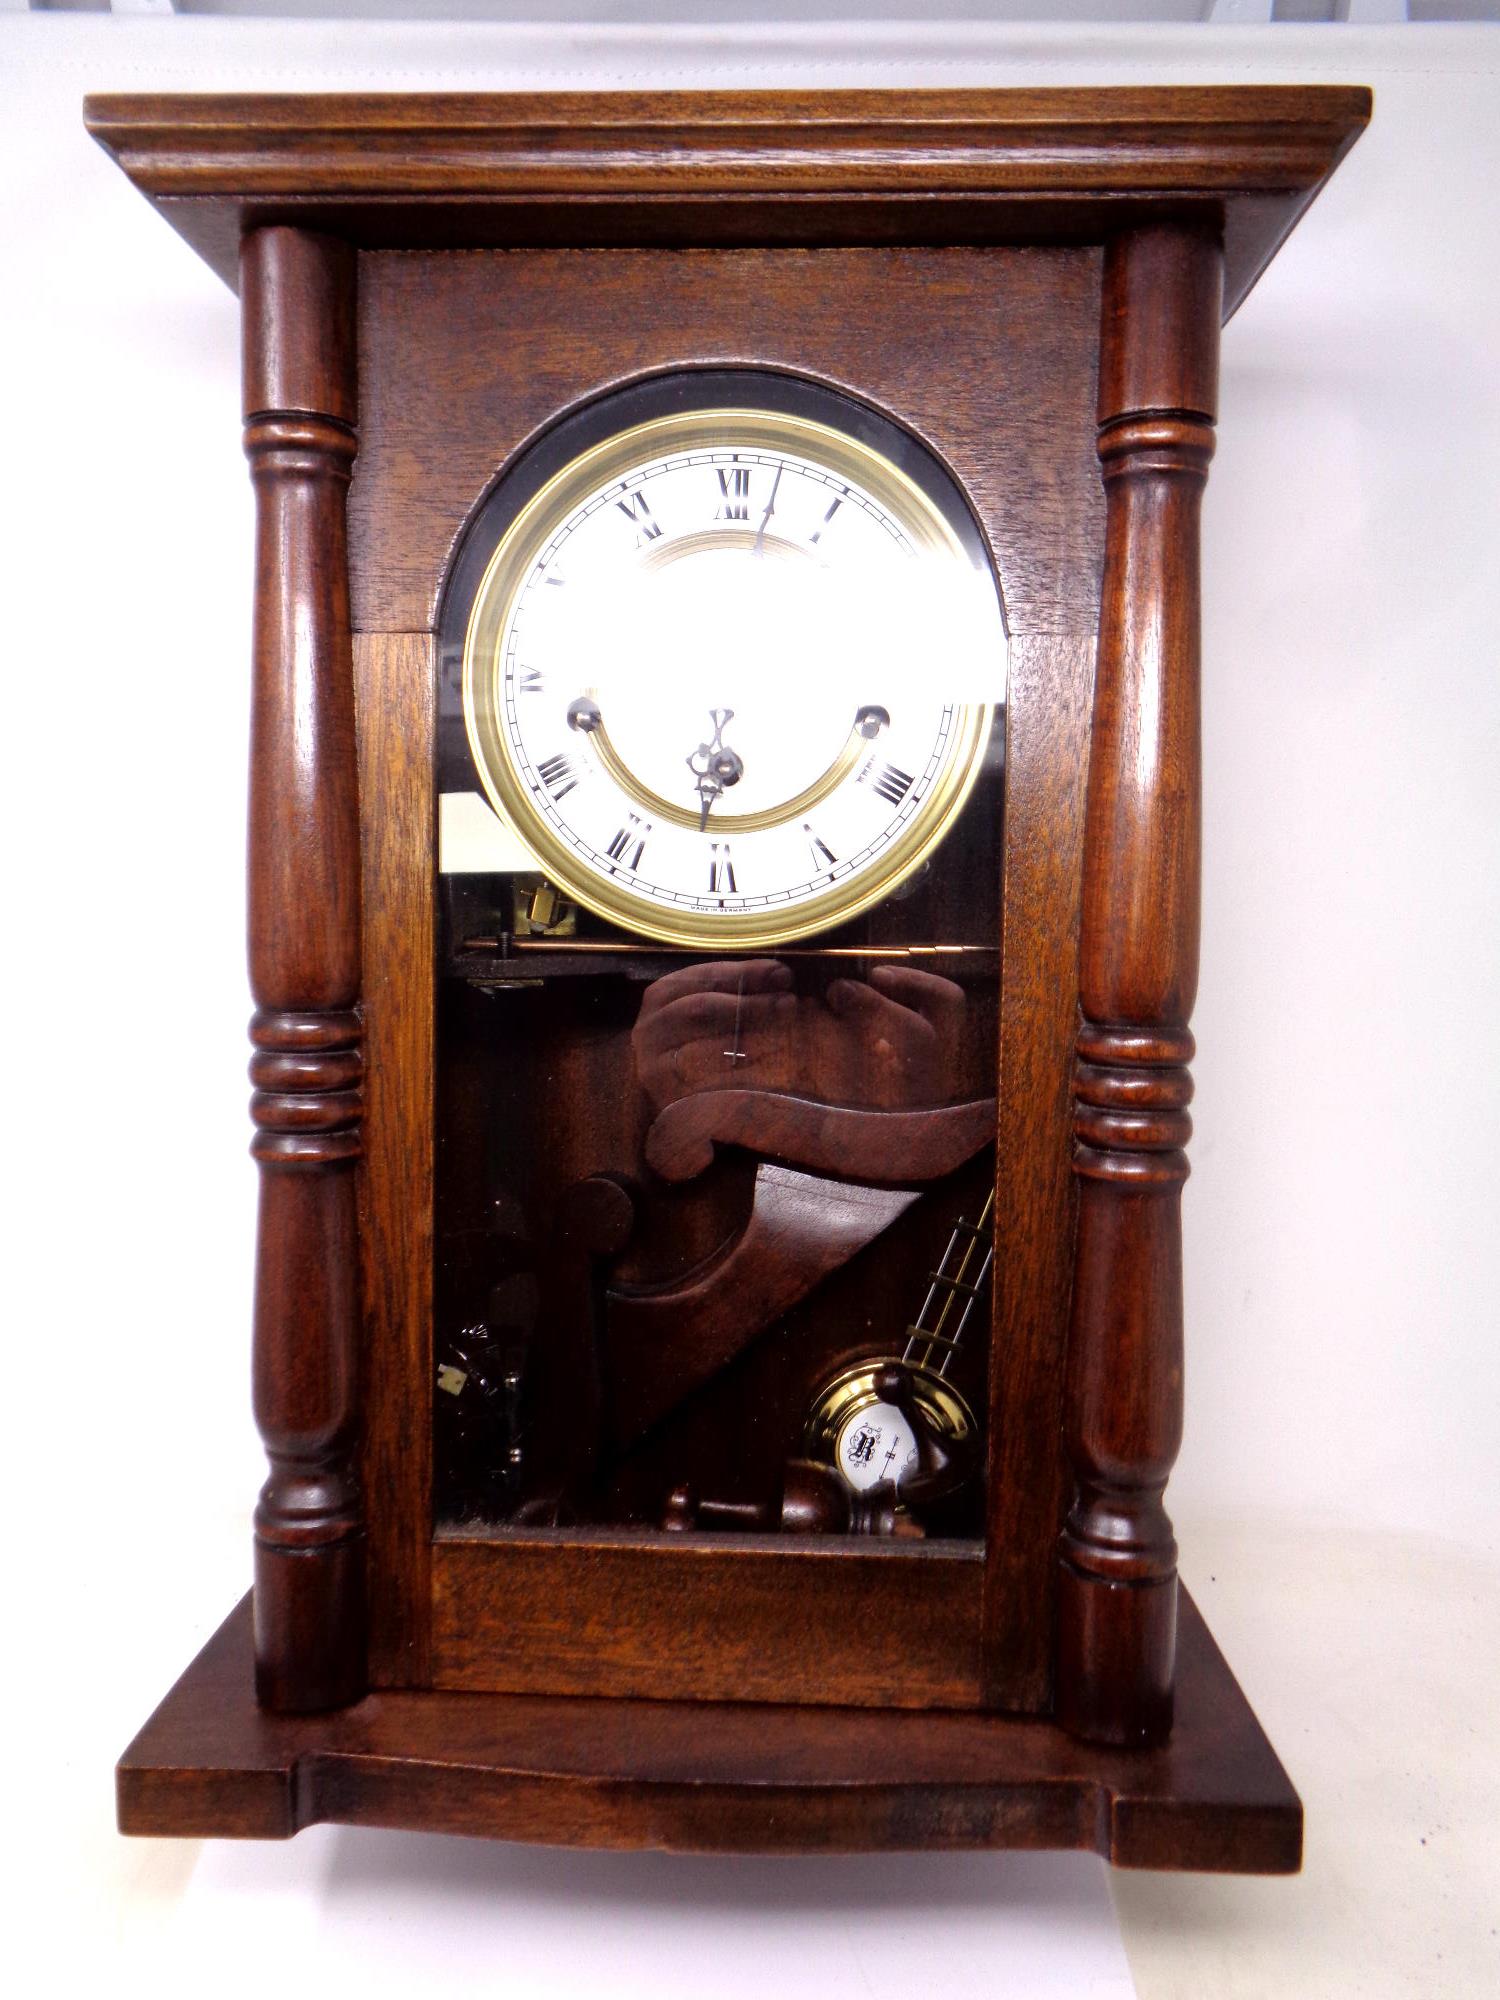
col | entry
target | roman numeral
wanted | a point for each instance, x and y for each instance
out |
(634, 830)
(734, 487)
(640, 517)
(560, 775)
(529, 680)
(823, 855)
(818, 531)
(721, 880)
(887, 781)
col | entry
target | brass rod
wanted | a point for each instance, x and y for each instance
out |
(581, 946)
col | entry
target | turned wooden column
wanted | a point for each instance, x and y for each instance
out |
(1117, 1590)
(297, 293)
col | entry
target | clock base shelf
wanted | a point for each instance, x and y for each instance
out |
(699, 1777)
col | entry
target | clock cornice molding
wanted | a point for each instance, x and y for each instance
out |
(695, 169)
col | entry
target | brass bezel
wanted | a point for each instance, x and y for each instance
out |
(853, 1390)
(858, 464)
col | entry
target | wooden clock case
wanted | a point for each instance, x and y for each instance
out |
(1032, 283)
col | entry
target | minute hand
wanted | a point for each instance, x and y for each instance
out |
(756, 547)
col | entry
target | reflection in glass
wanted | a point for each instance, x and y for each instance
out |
(751, 1228)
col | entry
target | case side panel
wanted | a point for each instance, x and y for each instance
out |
(1047, 738)
(393, 692)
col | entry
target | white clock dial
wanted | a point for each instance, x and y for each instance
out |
(726, 688)
(875, 1444)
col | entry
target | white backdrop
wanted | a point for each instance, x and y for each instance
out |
(1342, 1259)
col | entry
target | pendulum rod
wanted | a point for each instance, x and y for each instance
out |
(966, 1242)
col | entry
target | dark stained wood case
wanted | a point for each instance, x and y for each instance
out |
(1031, 284)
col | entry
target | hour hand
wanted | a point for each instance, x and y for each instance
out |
(714, 766)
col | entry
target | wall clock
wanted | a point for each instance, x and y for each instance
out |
(723, 917)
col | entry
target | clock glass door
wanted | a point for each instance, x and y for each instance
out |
(722, 680)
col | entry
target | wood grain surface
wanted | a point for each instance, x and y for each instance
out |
(713, 1778)
(680, 168)
(393, 697)
(304, 941)
(1047, 724)
(989, 357)
(1138, 975)
(712, 1618)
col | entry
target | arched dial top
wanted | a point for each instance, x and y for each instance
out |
(729, 675)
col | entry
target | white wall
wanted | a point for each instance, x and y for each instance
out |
(1342, 1246)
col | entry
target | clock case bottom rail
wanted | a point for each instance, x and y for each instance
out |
(693, 1777)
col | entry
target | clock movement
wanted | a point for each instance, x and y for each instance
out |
(723, 927)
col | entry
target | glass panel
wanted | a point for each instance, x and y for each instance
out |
(721, 761)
